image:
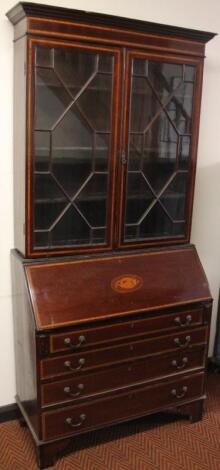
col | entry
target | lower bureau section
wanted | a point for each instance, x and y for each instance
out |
(83, 386)
(122, 406)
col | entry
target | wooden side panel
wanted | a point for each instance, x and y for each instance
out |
(24, 342)
(19, 142)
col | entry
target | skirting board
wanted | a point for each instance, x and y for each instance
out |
(9, 412)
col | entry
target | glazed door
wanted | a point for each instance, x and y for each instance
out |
(73, 148)
(159, 149)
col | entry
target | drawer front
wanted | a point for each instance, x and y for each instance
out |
(143, 400)
(82, 338)
(120, 376)
(83, 361)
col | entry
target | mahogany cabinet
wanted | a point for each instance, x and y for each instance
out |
(111, 304)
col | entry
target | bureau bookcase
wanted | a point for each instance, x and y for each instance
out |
(111, 304)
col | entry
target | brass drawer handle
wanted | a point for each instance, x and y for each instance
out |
(179, 395)
(68, 342)
(185, 323)
(182, 345)
(69, 421)
(81, 363)
(181, 366)
(74, 395)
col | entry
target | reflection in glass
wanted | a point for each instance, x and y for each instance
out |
(165, 78)
(180, 108)
(159, 144)
(144, 105)
(173, 198)
(160, 152)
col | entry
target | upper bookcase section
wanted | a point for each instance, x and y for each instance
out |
(105, 131)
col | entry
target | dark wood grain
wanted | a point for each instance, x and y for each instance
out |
(121, 406)
(56, 288)
(58, 13)
(118, 331)
(84, 386)
(95, 358)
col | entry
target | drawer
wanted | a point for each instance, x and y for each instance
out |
(120, 376)
(82, 338)
(142, 400)
(83, 361)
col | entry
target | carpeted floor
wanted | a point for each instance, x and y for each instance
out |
(158, 442)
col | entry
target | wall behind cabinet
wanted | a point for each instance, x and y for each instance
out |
(200, 14)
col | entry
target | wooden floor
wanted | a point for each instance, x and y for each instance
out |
(152, 443)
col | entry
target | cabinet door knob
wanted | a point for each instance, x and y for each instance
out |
(67, 390)
(68, 342)
(187, 321)
(69, 421)
(81, 363)
(182, 345)
(181, 394)
(180, 366)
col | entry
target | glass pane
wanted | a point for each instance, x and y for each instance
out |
(139, 197)
(74, 67)
(159, 145)
(44, 57)
(184, 152)
(180, 108)
(71, 230)
(72, 151)
(136, 148)
(159, 157)
(156, 224)
(92, 200)
(98, 235)
(49, 201)
(144, 105)
(173, 198)
(190, 73)
(140, 67)
(95, 102)
(41, 239)
(105, 63)
(51, 99)
(164, 77)
(73, 114)
(46, 213)
(101, 152)
(42, 150)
